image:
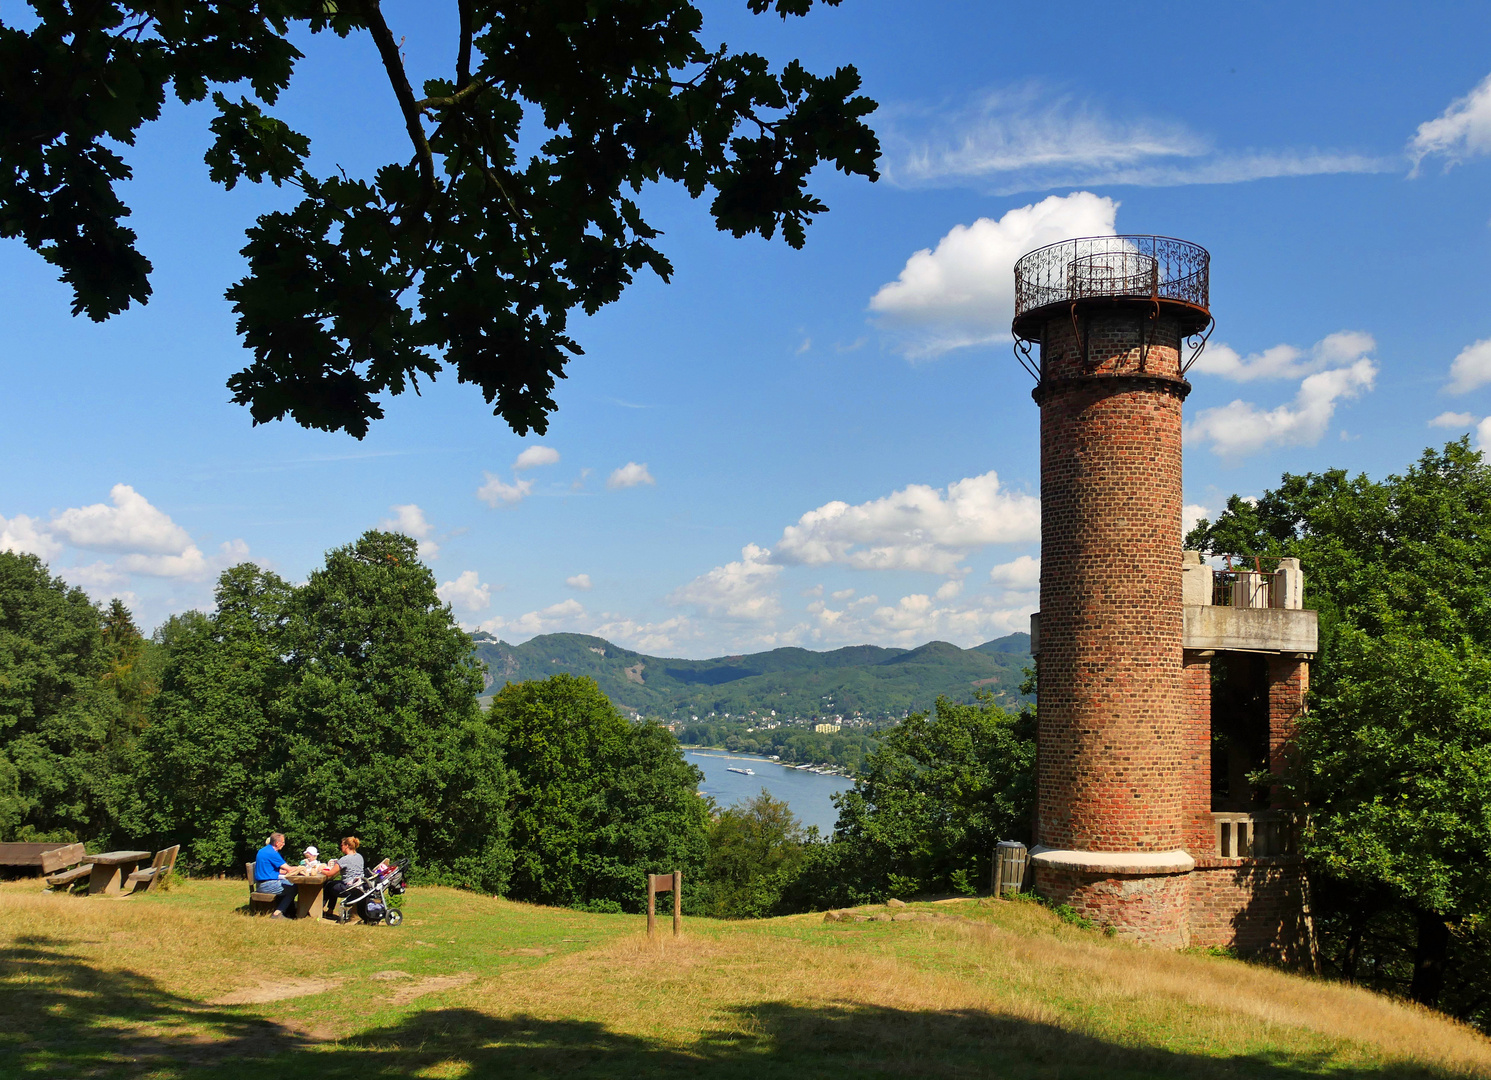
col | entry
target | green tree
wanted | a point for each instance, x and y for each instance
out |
(382, 734)
(933, 800)
(210, 752)
(596, 802)
(755, 849)
(514, 205)
(1398, 760)
(1394, 749)
(55, 711)
(128, 677)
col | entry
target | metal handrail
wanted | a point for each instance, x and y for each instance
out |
(1156, 267)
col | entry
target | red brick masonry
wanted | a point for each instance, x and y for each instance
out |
(1252, 905)
(1124, 761)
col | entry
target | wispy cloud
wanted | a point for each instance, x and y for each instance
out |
(1241, 428)
(1463, 130)
(1032, 137)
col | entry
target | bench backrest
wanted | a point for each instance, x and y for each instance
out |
(248, 872)
(60, 858)
(165, 859)
(28, 853)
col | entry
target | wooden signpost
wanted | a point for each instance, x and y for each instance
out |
(657, 883)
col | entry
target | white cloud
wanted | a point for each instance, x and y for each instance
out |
(840, 594)
(1241, 428)
(1453, 420)
(566, 615)
(1471, 369)
(146, 539)
(496, 492)
(96, 576)
(1483, 434)
(1463, 130)
(742, 590)
(131, 525)
(963, 292)
(1286, 361)
(1031, 138)
(579, 581)
(919, 618)
(650, 637)
(28, 536)
(1190, 514)
(916, 528)
(1023, 574)
(534, 456)
(630, 475)
(410, 520)
(466, 592)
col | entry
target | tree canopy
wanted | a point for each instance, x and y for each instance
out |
(514, 204)
(1396, 748)
(597, 802)
(56, 713)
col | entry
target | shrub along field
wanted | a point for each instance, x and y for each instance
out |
(179, 985)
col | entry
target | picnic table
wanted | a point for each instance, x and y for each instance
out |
(308, 892)
(110, 869)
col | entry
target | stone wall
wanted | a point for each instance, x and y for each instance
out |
(1152, 909)
(1200, 834)
(1257, 906)
(1288, 687)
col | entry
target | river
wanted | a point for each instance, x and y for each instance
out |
(809, 794)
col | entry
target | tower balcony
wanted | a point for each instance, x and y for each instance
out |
(1237, 611)
(1158, 271)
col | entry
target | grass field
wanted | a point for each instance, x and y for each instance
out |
(180, 984)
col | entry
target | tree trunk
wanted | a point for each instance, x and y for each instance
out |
(1353, 950)
(1429, 958)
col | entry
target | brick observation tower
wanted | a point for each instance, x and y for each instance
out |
(1124, 762)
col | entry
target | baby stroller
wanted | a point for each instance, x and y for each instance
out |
(369, 897)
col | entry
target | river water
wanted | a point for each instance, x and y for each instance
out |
(809, 794)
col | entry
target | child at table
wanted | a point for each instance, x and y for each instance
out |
(312, 860)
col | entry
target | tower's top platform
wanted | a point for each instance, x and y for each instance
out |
(1125, 270)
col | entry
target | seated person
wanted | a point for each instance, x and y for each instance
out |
(352, 868)
(270, 868)
(312, 860)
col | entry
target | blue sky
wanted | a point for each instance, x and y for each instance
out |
(830, 446)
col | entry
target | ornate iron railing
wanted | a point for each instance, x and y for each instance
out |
(1157, 267)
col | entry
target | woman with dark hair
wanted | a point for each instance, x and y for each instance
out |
(351, 867)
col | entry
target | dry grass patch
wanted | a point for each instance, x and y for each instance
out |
(472, 987)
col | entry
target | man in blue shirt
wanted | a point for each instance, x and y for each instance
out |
(269, 876)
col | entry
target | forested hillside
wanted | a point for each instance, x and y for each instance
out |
(872, 682)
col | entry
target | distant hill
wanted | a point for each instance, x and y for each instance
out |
(798, 683)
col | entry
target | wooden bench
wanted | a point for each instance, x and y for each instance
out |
(44, 858)
(162, 865)
(67, 878)
(260, 903)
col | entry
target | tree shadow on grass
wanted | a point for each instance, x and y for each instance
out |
(62, 1018)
